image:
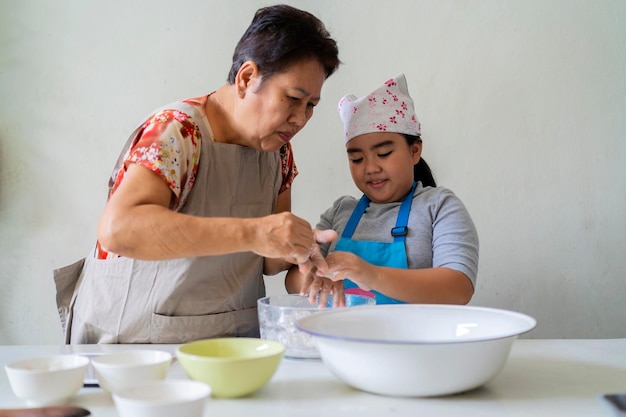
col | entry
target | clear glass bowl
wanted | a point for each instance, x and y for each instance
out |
(278, 315)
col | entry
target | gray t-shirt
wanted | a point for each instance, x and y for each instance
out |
(441, 232)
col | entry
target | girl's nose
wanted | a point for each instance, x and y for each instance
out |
(371, 166)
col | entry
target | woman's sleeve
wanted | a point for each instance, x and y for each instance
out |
(168, 144)
(289, 170)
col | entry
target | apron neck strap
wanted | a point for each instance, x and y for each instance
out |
(364, 202)
(398, 232)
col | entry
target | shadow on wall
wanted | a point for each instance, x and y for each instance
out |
(13, 242)
(5, 282)
(3, 278)
(4, 175)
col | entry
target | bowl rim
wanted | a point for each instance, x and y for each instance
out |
(202, 391)
(101, 360)
(16, 366)
(278, 349)
(531, 323)
(263, 301)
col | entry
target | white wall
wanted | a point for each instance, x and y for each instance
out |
(522, 103)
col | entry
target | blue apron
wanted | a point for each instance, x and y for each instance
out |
(391, 254)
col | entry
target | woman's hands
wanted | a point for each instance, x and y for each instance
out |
(316, 261)
(283, 235)
(309, 278)
(290, 238)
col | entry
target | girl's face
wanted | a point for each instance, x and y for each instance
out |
(381, 164)
(274, 110)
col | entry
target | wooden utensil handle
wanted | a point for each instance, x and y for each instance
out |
(51, 411)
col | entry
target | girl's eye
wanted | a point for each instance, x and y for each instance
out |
(356, 160)
(384, 155)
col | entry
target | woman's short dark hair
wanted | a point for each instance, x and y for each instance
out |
(421, 170)
(280, 36)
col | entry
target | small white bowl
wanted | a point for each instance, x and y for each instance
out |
(169, 398)
(125, 369)
(415, 350)
(48, 380)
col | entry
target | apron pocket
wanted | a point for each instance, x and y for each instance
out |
(100, 301)
(182, 329)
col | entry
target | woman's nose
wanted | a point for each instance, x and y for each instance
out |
(299, 116)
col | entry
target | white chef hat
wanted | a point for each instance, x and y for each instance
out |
(389, 108)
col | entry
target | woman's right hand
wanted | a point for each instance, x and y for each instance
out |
(287, 236)
(284, 235)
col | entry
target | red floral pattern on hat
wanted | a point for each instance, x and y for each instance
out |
(389, 108)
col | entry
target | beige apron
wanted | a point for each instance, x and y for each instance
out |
(125, 300)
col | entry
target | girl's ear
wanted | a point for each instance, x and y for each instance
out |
(416, 151)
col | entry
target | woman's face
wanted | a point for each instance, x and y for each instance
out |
(381, 164)
(279, 107)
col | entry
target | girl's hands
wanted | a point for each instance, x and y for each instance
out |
(315, 286)
(342, 265)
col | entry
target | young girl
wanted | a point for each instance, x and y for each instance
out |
(406, 240)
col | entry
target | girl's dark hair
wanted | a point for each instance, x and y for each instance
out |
(280, 36)
(421, 170)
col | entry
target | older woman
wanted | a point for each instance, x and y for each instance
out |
(199, 200)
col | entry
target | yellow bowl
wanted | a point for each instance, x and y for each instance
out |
(232, 367)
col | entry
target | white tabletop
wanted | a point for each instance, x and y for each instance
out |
(541, 378)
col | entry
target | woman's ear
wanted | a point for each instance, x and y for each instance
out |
(245, 78)
(416, 151)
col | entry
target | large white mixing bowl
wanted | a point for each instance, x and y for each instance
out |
(415, 349)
